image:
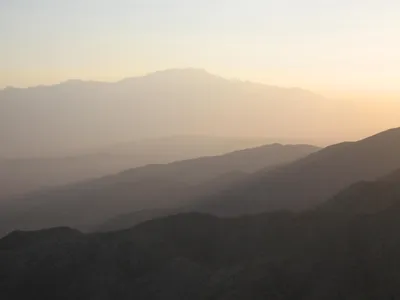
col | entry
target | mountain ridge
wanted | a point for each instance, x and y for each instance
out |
(312, 179)
(199, 72)
(142, 188)
(167, 103)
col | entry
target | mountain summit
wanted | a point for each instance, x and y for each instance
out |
(54, 119)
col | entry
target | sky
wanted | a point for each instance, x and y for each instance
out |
(346, 48)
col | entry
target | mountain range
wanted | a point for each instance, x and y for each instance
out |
(156, 186)
(69, 118)
(20, 176)
(311, 180)
(73, 116)
(300, 185)
(181, 218)
(331, 252)
(270, 178)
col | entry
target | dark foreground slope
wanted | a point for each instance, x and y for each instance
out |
(311, 180)
(320, 254)
(148, 187)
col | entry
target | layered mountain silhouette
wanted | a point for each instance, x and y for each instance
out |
(208, 185)
(311, 180)
(207, 189)
(24, 175)
(151, 187)
(326, 253)
(367, 197)
(303, 184)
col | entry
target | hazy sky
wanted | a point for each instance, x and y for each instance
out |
(331, 46)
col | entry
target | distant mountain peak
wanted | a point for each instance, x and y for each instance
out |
(183, 73)
(73, 81)
(177, 75)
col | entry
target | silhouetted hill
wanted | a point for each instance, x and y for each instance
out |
(24, 175)
(311, 180)
(206, 168)
(19, 240)
(394, 176)
(144, 188)
(133, 218)
(367, 197)
(319, 254)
